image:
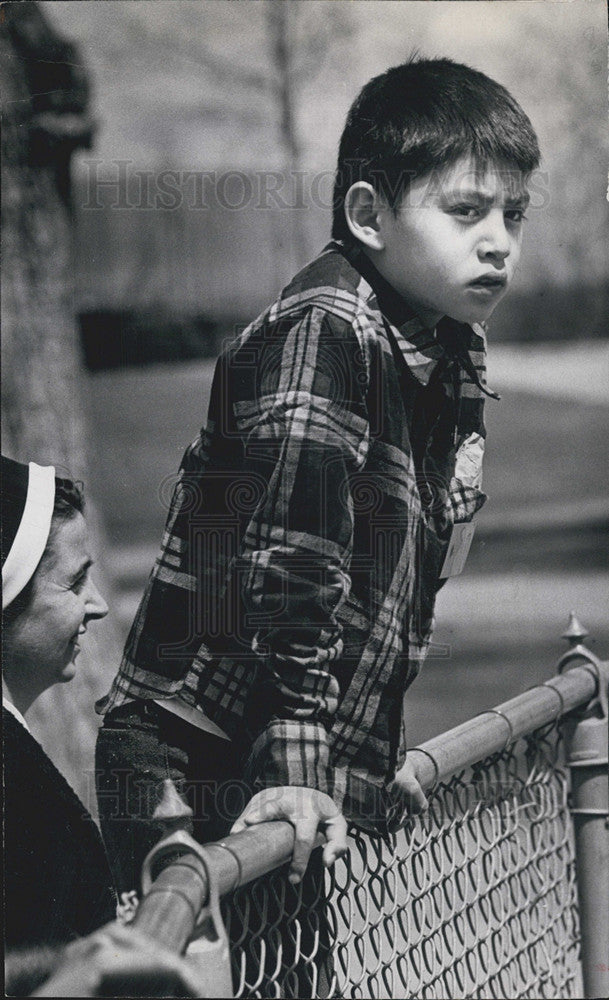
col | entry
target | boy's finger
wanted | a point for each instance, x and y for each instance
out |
(304, 842)
(419, 797)
(414, 797)
(240, 824)
(332, 854)
(335, 830)
(409, 791)
(260, 813)
(250, 819)
(337, 845)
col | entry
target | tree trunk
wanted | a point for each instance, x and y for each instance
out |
(44, 121)
(280, 22)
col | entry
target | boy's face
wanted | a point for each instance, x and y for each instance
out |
(453, 247)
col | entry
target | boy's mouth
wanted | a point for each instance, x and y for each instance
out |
(491, 281)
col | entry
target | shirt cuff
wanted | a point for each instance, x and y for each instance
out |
(290, 753)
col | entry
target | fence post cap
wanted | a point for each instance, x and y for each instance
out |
(172, 813)
(575, 632)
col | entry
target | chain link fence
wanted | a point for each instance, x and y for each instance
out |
(500, 889)
(474, 898)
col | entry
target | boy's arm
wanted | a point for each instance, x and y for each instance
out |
(303, 419)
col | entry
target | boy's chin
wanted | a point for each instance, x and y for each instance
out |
(473, 316)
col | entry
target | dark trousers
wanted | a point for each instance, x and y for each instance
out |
(139, 745)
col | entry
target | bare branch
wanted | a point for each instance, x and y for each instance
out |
(201, 56)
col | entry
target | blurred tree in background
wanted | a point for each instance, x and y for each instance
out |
(249, 78)
(45, 118)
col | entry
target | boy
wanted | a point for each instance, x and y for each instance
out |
(291, 605)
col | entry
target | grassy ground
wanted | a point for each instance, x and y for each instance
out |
(499, 624)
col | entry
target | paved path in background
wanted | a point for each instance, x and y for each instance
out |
(578, 371)
(523, 606)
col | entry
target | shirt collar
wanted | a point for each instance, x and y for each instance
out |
(418, 344)
(8, 705)
(420, 347)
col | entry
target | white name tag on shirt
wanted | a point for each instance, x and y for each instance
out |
(458, 549)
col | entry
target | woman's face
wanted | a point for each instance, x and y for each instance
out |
(44, 641)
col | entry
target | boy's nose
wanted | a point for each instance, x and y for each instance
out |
(495, 243)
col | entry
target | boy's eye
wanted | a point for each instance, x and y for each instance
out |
(515, 215)
(466, 211)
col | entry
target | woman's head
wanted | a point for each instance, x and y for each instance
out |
(48, 594)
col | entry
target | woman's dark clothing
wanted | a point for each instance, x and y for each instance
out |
(57, 881)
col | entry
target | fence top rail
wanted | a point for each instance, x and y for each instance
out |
(496, 728)
(243, 857)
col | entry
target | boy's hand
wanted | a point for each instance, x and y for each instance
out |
(406, 788)
(310, 812)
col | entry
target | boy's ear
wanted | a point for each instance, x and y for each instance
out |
(362, 211)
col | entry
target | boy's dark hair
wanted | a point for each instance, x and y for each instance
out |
(427, 114)
(69, 501)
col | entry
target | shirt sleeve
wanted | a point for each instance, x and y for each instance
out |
(162, 641)
(302, 415)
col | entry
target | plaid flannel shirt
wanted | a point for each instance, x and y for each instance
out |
(292, 599)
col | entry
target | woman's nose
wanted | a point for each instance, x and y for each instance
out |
(96, 606)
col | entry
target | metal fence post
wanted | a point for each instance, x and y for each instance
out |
(587, 758)
(182, 904)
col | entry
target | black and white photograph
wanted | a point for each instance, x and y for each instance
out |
(305, 498)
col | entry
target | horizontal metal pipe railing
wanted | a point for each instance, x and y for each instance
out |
(494, 729)
(169, 912)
